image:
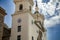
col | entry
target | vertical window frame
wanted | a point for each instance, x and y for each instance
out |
(20, 7)
(32, 38)
(19, 28)
(19, 37)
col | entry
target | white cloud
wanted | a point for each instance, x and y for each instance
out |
(50, 8)
(52, 21)
(39, 1)
(46, 7)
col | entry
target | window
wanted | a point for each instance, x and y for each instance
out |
(30, 8)
(19, 28)
(20, 7)
(32, 38)
(32, 21)
(19, 37)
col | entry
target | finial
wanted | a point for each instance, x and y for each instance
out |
(36, 10)
(36, 7)
(36, 3)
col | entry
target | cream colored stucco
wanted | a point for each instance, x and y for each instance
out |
(27, 28)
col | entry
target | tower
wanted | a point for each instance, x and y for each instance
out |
(24, 25)
(39, 22)
(23, 4)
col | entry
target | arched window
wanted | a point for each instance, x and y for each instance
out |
(20, 7)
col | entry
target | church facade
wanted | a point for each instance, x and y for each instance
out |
(25, 24)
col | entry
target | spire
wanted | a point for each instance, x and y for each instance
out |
(36, 7)
(36, 4)
(36, 10)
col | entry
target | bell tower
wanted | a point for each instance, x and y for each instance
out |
(24, 22)
(21, 20)
(23, 5)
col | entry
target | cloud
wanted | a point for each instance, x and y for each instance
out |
(48, 9)
(52, 21)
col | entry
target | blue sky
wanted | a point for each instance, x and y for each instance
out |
(45, 1)
(52, 21)
(8, 5)
(53, 33)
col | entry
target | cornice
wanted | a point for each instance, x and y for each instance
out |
(2, 11)
(21, 12)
